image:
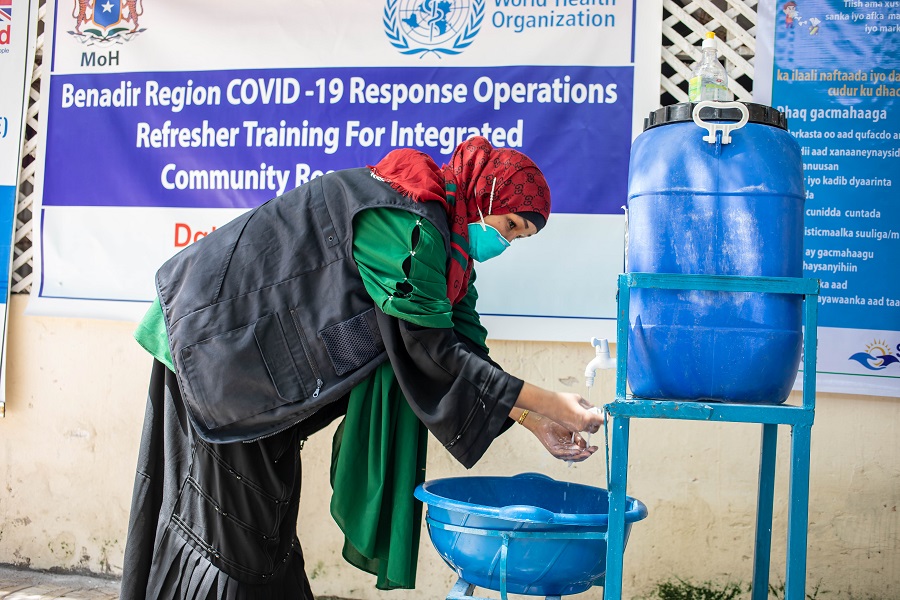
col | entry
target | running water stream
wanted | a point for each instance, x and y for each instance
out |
(569, 462)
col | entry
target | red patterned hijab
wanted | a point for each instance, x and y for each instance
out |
(463, 186)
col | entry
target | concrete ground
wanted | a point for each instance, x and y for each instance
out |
(21, 584)
(24, 584)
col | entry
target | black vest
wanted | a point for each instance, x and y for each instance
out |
(268, 318)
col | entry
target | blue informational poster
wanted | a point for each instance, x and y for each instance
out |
(7, 215)
(833, 68)
(7, 218)
(166, 121)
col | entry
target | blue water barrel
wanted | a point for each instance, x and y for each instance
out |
(698, 207)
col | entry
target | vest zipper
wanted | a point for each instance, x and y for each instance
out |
(309, 358)
(268, 435)
(312, 365)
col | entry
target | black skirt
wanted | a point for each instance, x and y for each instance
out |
(220, 520)
(211, 521)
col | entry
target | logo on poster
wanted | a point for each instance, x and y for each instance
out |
(793, 19)
(878, 356)
(106, 21)
(5, 24)
(438, 26)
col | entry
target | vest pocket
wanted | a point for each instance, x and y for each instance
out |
(277, 357)
(251, 366)
(352, 343)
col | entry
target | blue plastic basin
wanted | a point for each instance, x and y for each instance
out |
(479, 509)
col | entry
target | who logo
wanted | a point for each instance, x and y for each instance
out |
(99, 21)
(442, 27)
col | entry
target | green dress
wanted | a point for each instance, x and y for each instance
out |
(378, 452)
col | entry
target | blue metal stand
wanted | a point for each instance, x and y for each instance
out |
(799, 418)
(463, 590)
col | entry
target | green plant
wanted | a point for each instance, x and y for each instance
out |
(679, 589)
(776, 591)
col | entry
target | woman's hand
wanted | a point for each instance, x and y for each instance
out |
(569, 410)
(578, 413)
(559, 441)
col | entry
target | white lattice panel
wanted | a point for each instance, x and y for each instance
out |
(684, 25)
(22, 241)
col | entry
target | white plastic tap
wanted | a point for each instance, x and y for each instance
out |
(602, 360)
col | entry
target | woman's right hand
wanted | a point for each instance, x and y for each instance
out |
(584, 416)
(566, 408)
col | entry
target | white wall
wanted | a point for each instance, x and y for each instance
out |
(75, 403)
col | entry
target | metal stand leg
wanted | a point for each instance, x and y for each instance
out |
(615, 540)
(763, 546)
(463, 590)
(798, 514)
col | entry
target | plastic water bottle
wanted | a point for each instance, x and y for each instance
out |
(709, 80)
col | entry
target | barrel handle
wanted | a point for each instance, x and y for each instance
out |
(727, 127)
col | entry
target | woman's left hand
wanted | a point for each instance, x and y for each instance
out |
(558, 440)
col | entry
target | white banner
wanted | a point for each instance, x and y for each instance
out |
(163, 123)
(16, 52)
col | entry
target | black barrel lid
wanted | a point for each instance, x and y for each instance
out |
(677, 113)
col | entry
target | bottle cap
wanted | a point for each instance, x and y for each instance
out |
(710, 40)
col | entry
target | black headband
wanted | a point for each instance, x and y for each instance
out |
(537, 219)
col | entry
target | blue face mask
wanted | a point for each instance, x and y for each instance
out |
(485, 242)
